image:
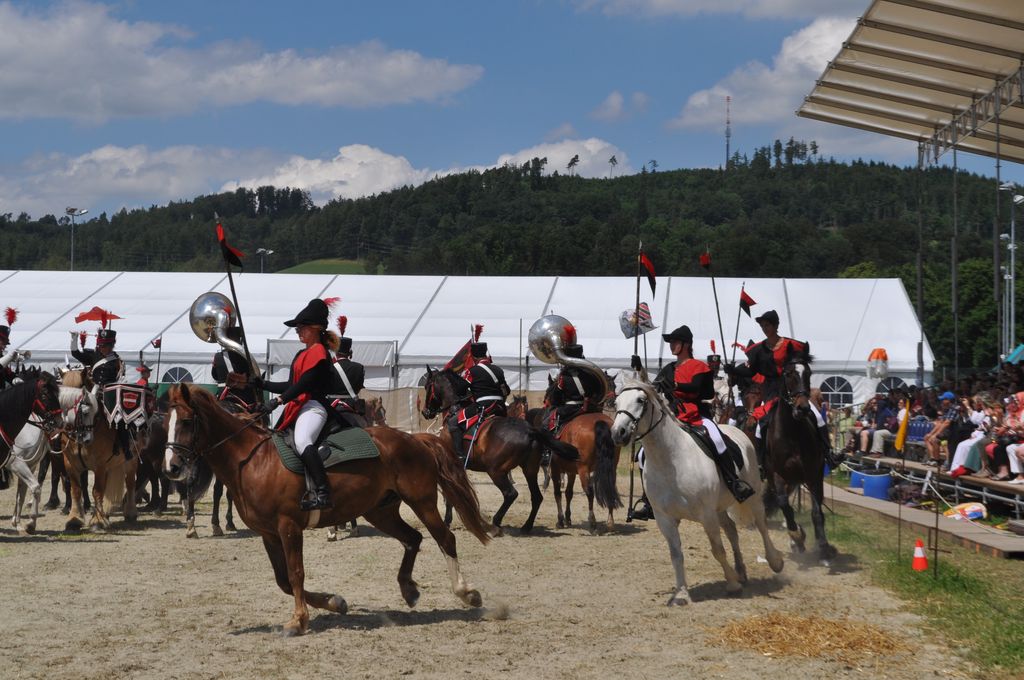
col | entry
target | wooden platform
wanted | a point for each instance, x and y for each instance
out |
(974, 536)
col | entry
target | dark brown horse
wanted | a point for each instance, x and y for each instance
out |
(242, 454)
(794, 454)
(518, 407)
(590, 434)
(501, 445)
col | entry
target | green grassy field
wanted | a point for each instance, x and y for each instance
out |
(976, 604)
(327, 266)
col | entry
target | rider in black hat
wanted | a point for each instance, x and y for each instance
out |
(350, 377)
(768, 359)
(6, 358)
(483, 393)
(575, 390)
(105, 368)
(304, 395)
(693, 387)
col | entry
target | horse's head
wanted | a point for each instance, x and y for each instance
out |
(47, 401)
(184, 429)
(80, 408)
(440, 394)
(637, 405)
(796, 379)
(552, 396)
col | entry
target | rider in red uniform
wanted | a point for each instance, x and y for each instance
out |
(693, 387)
(765, 361)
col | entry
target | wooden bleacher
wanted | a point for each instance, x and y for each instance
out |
(967, 487)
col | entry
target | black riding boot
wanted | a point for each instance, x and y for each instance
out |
(832, 458)
(457, 443)
(737, 487)
(321, 493)
(642, 509)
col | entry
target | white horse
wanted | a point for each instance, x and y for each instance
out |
(683, 483)
(32, 444)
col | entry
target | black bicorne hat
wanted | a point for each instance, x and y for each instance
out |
(106, 336)
(345, 345)
(771, 316)
(574, 351)
(478, 349)
(682, 334)
(314, 314)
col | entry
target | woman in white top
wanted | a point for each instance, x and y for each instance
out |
(981, 419)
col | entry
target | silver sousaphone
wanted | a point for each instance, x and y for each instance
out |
(548, 337)
(211, 315)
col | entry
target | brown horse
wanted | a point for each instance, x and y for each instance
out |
(590, 434)
(266, 493)
(500, 446)
(376, 414)
(518, 407)
(108, 465)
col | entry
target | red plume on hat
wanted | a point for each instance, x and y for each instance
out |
(342, 324)
(570, 333)
(331, 301)
(11, 314)
(477, 330)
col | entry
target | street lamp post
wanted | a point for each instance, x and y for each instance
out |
(263, 253)
(73, 213)
(1011, 335)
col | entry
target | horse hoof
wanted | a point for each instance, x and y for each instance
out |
(337, 604)
(742, 574)
(472, 598)
(52, 505)
(291, 630)
(215, 530)
(733, 590)
(354, 533)
(411, 595)
(496, 531)
(777, 564)
(678, 600)
(73, 525)
(332, 537)
(192, 533)
(829, 552)
(230, 526)
(560, 524)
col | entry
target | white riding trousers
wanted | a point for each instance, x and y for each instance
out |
(715, 434)
(311, 419)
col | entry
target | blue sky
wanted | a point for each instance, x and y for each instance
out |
(104, 105)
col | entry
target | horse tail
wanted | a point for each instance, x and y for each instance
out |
(770, 500)
(605, 492)
(459, 492)
(114, 492)
(559, 448)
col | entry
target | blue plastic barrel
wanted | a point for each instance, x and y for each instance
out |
(877, 486)
(857, 480)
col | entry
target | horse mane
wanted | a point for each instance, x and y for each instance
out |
(69, 396)
(17, 395)
(208, 401)
(649, 389)
(803, 355)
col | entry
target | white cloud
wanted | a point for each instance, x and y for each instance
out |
(614, 107)
(79, 62)
(563, 131)
(768, 94)
(780, 9)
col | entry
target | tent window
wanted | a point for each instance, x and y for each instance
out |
(890, 384)
(837, 391)
(177, 374)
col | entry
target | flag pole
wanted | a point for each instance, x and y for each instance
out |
(159, 354)
(736, 337)
(636, 351)
(238, 311)
(714, 291)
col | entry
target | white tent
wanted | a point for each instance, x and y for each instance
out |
(401, 323)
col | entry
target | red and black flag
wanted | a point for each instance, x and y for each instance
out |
(231, 254)
(458, 362)
(156, 342)
(705, 260)
(648, 268)
(746, 302)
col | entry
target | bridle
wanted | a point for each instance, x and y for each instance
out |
(189, 451)
(49, 415)
(791, 397)
(636, 419)
(429, 411)
(77, 433)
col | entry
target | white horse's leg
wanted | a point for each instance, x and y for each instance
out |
(669, 527)
(734, 540)
(26, 480)
(771, 553)
(714, 531)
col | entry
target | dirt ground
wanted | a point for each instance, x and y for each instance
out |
(145, 602)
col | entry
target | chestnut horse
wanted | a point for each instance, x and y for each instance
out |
(591, 435)
(109, 467)
(242, 454)
(501, 445)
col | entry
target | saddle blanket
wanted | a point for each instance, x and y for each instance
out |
(708, 447)
(345, 446)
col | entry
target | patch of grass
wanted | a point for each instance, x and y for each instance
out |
(328, 266)
(975, 603)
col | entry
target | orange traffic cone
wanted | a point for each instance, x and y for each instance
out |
(920, 562)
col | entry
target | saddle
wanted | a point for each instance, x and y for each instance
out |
(336, 448)
(703, 439)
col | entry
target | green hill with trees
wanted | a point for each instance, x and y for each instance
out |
(785, 211)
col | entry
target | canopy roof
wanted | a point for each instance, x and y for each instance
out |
(939, 72)
(429, 318)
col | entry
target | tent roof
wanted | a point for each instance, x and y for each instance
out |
(911, 66)
(430, 316)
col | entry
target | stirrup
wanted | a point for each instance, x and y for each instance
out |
(316, 500)
(741, 490)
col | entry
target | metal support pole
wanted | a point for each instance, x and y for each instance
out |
(955, 271)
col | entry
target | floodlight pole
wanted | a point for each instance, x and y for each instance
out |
(73, 213)
(263, 253)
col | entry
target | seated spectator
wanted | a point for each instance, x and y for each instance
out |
(1007, 435)
(890, 424)
(864, 427)
(981, 416)
(948, 414)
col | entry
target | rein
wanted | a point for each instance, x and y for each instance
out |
(192, 452)
(636, 419)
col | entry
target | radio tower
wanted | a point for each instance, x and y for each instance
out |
(728, 131)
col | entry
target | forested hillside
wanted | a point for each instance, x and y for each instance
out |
(783, 212)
